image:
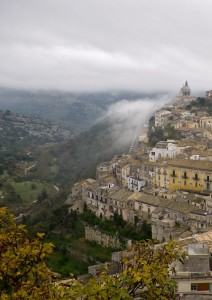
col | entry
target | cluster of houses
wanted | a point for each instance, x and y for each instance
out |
(168, 185)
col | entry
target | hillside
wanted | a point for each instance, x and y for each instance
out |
(76, 111)
(76, 159)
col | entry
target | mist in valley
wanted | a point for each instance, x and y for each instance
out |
(127, 117)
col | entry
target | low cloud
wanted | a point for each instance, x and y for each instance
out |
(127, 117)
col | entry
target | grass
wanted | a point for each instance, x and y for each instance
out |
(74, 255)
(29, 190)
(66, 264)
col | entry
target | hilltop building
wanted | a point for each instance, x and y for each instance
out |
(208, 94)
(185, 90)
(184, 96)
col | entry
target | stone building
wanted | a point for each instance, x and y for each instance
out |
(208, 94)
(190, 175)
(135, 184)
(162, 118)
(165, 149)
(185, 90)
(194, 277)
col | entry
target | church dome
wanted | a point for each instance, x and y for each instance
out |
(185, 90)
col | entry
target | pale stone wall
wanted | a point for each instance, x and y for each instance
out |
(103, 239)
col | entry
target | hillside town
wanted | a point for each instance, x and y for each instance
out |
(32, 127)
(167, 184)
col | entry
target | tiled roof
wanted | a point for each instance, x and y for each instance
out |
(135, 163)
(193, 164)
(178, 206)
(120, 194)
(203, 237)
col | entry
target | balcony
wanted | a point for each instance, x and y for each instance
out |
(173, 175)
(185, 177)
(164, 173)
(196, 178)
(208, 179)
(159, 172)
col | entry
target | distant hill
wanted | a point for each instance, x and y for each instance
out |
(76, 111)
(19, 132)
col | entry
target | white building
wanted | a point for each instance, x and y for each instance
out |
(135, 184)
(161, 117)
(164, 150)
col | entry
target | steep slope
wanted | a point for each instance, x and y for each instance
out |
(76, 159)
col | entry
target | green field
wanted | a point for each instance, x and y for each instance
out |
(29, 190)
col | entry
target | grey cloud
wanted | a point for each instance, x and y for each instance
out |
(105, 44)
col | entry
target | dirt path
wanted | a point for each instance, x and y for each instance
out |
(27, 169)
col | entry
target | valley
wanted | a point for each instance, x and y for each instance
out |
(40, 160)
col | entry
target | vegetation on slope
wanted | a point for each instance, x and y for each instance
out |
(201, 103)
(67, 163)
(24, 274)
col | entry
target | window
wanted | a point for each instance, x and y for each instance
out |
(193, 287)
(201, 286)
(173, 180)
(185, 182)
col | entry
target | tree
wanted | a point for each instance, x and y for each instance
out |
(23, 273)
(144, 274)
(144, 271)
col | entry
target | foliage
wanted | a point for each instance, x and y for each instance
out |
(62, 262)
(118, 226)
(201, 103)
(75, 160)
(156, 135)
(160, 134)
(144, 274)
(23, 273)
(144, 271)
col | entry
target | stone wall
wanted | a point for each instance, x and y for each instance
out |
(103, 239)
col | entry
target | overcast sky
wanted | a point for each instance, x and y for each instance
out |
(141, 45)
